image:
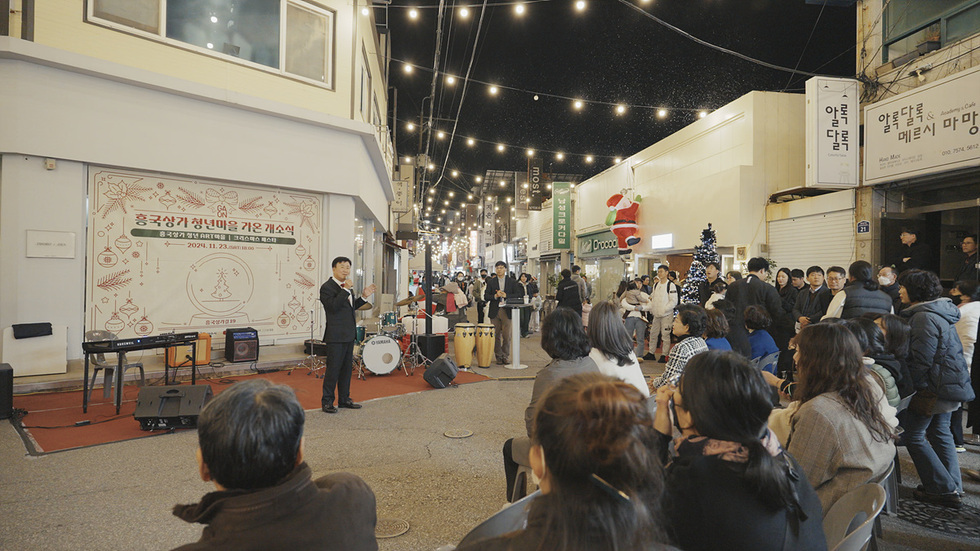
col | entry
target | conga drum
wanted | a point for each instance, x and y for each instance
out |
(463, 343)
(484, 344)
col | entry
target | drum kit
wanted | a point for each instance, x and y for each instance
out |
(380, 353)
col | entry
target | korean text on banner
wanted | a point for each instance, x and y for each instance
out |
(561, 201)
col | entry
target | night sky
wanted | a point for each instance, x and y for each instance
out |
(608, 52)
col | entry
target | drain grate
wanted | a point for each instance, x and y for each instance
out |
(390, 528)
(963, 522)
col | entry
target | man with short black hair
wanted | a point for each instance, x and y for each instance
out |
(583, 291)
(753, 290)
(810, 305)
(798, 279)
(499, 289)
(888, 281)
(339, 306)
(663, 301)
(250, 441)
(711, 273)
(970, 269)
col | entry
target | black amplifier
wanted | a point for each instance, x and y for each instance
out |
(242, 345)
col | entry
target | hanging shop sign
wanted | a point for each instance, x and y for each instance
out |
(535, 182)
(832, 132)
(489, 221)
(521, 194)
(931, 129)
(561, 204)
(403, 195)
(601, 243)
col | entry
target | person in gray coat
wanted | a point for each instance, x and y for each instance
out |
(942, 381)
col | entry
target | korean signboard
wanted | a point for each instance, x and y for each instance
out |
(934, 128)
(561, 202)
(832, 129)
(602, 243)
(169, 253)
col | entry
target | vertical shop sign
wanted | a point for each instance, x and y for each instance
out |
(488, 223)
(535, 182)
(832, 132)
(561, 194)
(521, 190)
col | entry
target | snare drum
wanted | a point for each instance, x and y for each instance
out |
(396, 331)
(381, 354)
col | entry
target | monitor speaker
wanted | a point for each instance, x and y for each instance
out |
(242, 345)
(171, 407)
(441, 373)
(432, 346)
(6, 391)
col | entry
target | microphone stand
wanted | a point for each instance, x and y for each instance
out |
(312, 362)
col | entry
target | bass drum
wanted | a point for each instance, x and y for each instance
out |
(381, 355)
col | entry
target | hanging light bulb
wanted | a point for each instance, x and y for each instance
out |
(503, 183)
(440, 134)
(578, 104)
(470, 142)
(702, 114)
(455, 173)
(530, 153)
(560, 156)
(661, 113)
(589, 159)
(450, 80)
(452, 193)
(410, 127)
(464, 12)
(413, 13)
(479, 179)
(620, 109)
(364, 11)
(408, 68)
(580, 5)
(500, 147)
(519, 9)
(617, 160)
(493, 90)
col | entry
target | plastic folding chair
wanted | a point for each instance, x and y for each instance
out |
(108, 368)
(510, 518)
(849, 525)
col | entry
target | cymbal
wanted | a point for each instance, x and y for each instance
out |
(365, 306)
(409, 300)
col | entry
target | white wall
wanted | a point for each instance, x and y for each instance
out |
(94, 117)
(720, 169)
(42, 289)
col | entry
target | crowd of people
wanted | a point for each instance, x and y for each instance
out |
(775, 401)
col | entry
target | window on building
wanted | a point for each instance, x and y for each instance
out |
(916, 26)
(292, 37)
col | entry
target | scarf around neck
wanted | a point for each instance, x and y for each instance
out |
(723, 449)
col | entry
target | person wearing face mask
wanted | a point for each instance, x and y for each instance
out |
(888, 283)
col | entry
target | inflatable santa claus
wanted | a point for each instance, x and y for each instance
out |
(622, 218)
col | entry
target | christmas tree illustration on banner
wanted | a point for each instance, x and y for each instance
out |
(704, 254)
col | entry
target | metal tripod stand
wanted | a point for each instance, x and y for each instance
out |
(313, 363)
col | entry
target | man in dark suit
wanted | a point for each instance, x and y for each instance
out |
(500, 288)
(753, 290)
(339, 306)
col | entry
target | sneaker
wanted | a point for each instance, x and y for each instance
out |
(945, 500)
(960, 448)
(663, 359)
(650, 356)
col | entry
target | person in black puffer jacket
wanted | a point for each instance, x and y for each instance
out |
(938, 370)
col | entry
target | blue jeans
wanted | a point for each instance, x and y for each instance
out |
(931, 446)
(636, 327)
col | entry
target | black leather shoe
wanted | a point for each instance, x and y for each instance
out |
(329, 409)
(349, 405)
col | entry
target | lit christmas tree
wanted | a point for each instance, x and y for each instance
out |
(704, 254)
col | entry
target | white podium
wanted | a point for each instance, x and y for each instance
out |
(515, 335)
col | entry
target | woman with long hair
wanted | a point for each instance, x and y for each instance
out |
(612, 346)
(784, 325)
(942, 382)
(563, 338)
(838, 433)
(731, 486)
(594, 450)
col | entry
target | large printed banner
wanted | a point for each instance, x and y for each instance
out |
(175, 254)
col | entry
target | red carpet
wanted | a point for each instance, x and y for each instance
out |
(49, 425)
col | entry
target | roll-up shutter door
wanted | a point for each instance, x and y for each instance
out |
(824, 240)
